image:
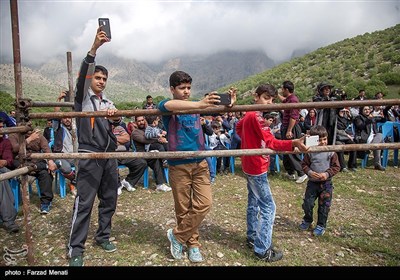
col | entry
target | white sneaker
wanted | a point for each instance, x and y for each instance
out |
(127, 186)
(301, 179)
(119, 192)
(163, 188)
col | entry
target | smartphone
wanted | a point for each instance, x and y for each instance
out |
(312, 140)
(225, 98)
(105, 26)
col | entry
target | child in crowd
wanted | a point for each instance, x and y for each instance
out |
(152, 132)
(189, 177)
(261, 208)
(320, 168)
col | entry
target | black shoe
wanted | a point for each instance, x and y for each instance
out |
(379, 167)
(250, 243)
(272, 255)
(11, 228)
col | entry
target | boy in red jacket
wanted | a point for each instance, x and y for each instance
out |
(255, 134)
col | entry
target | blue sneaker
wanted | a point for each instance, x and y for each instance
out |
(319, 231)
(195, 255)
(304, 225)
(45, 208)
(212, 180)
(176, 247)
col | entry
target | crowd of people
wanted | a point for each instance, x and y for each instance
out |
(190, 180)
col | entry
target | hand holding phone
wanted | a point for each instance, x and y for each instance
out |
(104, 23)
(312, 140)
(225, 98)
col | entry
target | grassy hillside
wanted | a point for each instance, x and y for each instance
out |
(370, 61)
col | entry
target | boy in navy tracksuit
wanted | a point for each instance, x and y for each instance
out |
(95, 176)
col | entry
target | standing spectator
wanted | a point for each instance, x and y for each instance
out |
(149, 103)
(361, 95)
(96, 176)
(290, 130)
(344, 120)
(8, 213)
(256, 134)
(48, 131)
(327, 116)
(189, 177)
(320, 168)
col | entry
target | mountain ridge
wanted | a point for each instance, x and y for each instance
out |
(130, 80)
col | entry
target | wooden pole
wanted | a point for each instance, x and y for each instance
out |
(219, 109)
(219, 153)
(22, 151)
(16, 172)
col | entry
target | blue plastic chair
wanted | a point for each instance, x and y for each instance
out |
(387, 129)
(15, 188)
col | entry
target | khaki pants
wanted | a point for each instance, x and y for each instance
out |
(191, 189)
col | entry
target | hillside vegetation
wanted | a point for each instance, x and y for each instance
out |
(370, 61)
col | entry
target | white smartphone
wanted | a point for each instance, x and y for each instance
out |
(312, 140)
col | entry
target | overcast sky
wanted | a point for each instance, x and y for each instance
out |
(150, 31)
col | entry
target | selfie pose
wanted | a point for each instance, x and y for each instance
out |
(95, 176)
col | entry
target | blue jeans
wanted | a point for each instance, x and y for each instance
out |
(209, 162)
(260, 212)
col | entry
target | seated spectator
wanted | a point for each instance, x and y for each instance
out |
(140, 142)
(136, 166)
(366, 131)
(64, 143)
(36, 143)
(8, 213)
(131, 126)
(310, 120)
(7, 120)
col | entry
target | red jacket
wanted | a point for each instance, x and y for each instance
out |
(255, 134)
(6, 151)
